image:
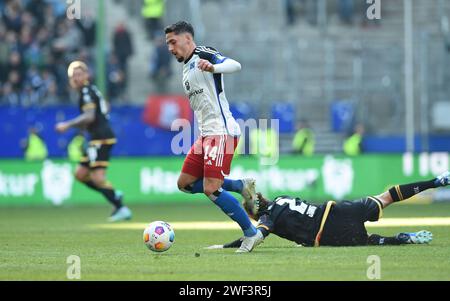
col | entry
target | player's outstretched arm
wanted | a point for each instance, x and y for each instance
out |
(227, 66)
(87, 117)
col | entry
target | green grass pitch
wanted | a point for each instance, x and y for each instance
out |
(35, 243)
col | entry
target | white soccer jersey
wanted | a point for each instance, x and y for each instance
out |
(207, 96)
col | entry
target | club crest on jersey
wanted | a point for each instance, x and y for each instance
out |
(192, 66)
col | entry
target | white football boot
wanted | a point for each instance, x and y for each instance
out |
(249, 194)
(249, 243)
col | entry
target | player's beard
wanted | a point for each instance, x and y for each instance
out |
(180, 59)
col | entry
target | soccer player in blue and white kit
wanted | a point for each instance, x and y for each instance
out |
(209, 159)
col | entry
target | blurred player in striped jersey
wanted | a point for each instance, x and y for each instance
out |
(208, 162)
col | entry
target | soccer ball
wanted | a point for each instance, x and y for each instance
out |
(159, 236)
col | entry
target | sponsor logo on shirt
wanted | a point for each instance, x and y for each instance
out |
(195, 92)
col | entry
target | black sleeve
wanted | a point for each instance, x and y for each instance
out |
(234, 244)
(264, 231)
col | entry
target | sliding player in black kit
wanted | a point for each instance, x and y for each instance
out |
(94, 118)
(334, 224)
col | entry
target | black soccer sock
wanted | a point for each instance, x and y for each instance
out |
(110, 195)
(108, 192)
(378, 240)
(404, 192)
(91, 185)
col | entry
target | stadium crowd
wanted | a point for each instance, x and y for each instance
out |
(38, 41)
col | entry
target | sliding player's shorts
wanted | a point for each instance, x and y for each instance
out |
(210, 157)
(345, 223)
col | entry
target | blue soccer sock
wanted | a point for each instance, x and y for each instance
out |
(228, 185)
(233, 185)
(231, 206)
(197, 186)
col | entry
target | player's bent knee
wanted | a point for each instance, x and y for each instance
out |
(213, 196)
(210, 186)
(209, 190)
(183, 186)
(180, 185)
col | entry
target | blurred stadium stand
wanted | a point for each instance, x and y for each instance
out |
(304, 70)
(136, 138)
(315, 65)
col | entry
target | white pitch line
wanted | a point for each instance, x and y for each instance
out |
(228, 225)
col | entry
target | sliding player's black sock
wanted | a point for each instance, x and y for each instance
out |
(403, 192)
(378, 240)
(107, 191)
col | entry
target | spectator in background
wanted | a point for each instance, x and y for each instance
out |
(68, 38)
(12, 41)
(15, 81)
(51, 90)
(50, 18)
(9, 96)
(12, 14)
(37, 42)
(38, 53)
(34, 87)
(4, 53)
(76, 147)
(160, 70)
(290, 11)
(34, 147)
(87, 26)
(353, 144)
(123, 47)
(116, 79)
(303, 142)
(58, 70)
(25, 39)
(346, 11)
(309, 7)
(84, 55)
(37, 9)
(57, 7)
(153, 12)
(16, 70)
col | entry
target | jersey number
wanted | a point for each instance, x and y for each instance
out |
(212, 154)
(299, 208)
(293, 206)
(92, 153)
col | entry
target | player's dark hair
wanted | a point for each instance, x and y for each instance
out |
(180, 27)
(263, 205)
